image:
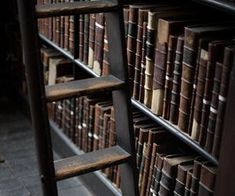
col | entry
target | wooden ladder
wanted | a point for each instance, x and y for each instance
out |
(123, 153)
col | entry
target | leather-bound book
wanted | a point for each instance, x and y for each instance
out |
(79, 120)
(100, 108)
(143, 64)
(143, 138)
(103, 124)
(71, 34)
(175, 93)
(142, 17)
(131, 41)
(57, 28)
(66, 31)
(91, 41)
(192, 36)
(215, 53)
(188, 183)
(207, 180)
(106, 65)
(99, 43)
(169, 75)
(180, 181)
(151, 176)
(213, 107)
(62, 28)
(196, 175)
(91, 123)
(50, 26)
(169, 172)
(86, 38)
(226, 70)
(54, 26)
(81, 37)
(157, 135)
(202, 67)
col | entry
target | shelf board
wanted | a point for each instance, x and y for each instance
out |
(175, 130)
(225, 6)
(166, 124)
(95, 180)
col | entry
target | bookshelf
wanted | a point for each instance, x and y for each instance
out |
(166, 124)
(225, 179)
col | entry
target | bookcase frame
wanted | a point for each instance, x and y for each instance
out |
(225, 181)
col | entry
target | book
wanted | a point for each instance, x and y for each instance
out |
(227, 64)
(175, 93)
(192, 36)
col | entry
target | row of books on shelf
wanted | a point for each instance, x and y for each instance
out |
(179, 64)
(165, 166)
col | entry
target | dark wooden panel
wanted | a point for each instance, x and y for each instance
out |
(82, 87)
(89, 162)
(73, 8)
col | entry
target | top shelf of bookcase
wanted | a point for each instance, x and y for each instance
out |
(170, 127)
(223, 5)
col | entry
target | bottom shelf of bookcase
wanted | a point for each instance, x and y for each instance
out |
(95, 181)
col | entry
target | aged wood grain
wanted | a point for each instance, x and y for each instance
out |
(73, 8)
(89, 162)
(82, 87)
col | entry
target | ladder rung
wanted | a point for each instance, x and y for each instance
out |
(73, 8)
(88, 162)
(82, 87)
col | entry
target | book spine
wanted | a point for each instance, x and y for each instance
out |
(106, 65)
(189, 64)
(91, 41)
(131, 43)
(213, 108)
(169, 75)
(99, 43)
(142, 16)
(62, 28)
(188, 183)
(143, 64)
(81, 36)
(126, 23)
(91, 128)
(86, 38)
(227, 64)
(159, 78)
(150, 41)
(71, 34)
(199, 94)
(151, 176)
(175, 93)
(66, 32)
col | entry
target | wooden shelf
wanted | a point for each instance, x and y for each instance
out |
(225, 6)
(166, 124)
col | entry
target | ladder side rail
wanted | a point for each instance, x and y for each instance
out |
(36, 91)
(121, 100)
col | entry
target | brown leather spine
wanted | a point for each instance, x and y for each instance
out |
(227, 64)
(172, 43)
(91, 41)
(143, 64)
(213, 107)
(142, 17)
(175, 93)
(86, 38)
(71, 34)
(151, 30)
(99, 43)
(202, 67)
(207, 180)
(131, 42)
(106, 65)
(81, 37)
(188, 183)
